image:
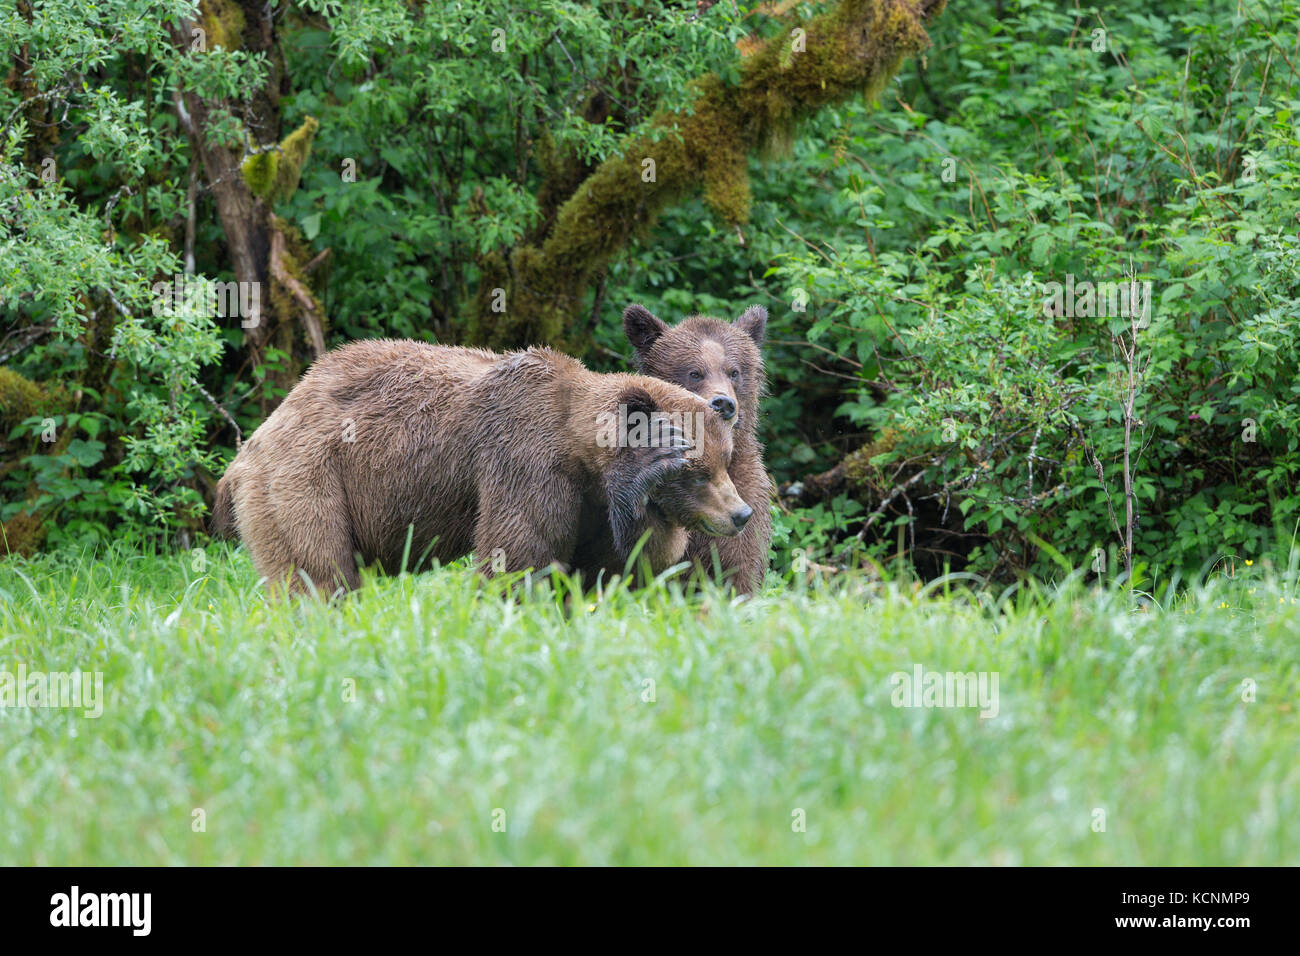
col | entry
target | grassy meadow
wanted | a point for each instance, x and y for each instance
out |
(427, 720)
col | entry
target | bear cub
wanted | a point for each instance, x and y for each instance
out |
(722, 362)
(390, 450)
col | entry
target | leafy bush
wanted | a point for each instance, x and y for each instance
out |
(1166, 144)
(123, 431)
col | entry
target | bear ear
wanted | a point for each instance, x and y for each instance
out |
(637, 399)
(642, 328)
(753, 322)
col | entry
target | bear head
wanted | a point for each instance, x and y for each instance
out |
(719, 361)
(671, 467)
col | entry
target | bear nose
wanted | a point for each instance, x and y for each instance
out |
(724, 407)
(741, 517)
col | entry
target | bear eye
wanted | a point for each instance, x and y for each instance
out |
(735, 374)
(696, 376)
(701, 479)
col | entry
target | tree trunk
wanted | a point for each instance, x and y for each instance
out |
(264, 255)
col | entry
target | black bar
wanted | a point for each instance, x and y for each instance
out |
(333, 906)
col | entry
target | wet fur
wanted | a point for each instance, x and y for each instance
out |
(715, 347)
(470, 450)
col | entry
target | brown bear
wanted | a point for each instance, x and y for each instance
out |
(390, 450)
(722, 362)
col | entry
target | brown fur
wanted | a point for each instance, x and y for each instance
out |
(719, 360)
(223, 513)
(469, 450)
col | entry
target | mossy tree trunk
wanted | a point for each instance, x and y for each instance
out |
(535, 293)
(265, 253)
(21, 398)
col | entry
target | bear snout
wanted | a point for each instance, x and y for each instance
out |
(740, 517)
(724, 406)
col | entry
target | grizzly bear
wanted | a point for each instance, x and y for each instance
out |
(722, 362)
(388, 450)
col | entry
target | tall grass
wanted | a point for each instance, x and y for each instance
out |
(427, 719)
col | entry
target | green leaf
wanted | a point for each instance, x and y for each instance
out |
(85, 453)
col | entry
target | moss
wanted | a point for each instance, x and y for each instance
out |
(259, 172)
(859, 471)
(274, 175)
(294, 150)
(223, 24)
(20, 398)
(563, 171)
(852, 50)
(23, 534)
(719, 155)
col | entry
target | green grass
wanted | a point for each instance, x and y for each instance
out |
(466, 703)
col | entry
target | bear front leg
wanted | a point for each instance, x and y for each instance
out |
(295, 527)
(536, 532)
(631, 479)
